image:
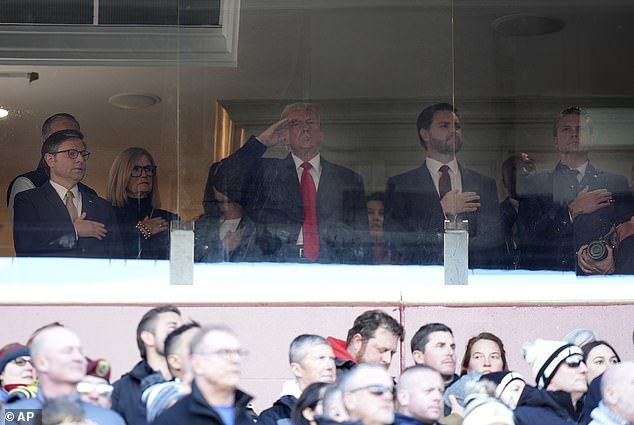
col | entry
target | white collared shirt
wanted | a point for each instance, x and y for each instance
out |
(61, 191)
(454, 173)
(315, 172)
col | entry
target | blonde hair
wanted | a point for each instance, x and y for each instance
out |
(119, 177)
(310, 107)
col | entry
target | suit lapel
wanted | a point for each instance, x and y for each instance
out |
(58, 210)
(327, 192)
(290, 189)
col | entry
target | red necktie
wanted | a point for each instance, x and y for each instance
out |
(444, 183)
(309, 196)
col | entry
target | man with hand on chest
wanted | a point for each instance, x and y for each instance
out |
(59, 218)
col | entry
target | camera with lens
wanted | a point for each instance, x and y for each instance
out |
(598, 249)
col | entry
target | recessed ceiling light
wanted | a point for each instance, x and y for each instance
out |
(525, 25)
(3, 113)
(134, 100)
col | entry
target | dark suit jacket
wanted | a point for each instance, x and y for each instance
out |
(547, 237)
(269, 190)
(414, 219)
(42, 226)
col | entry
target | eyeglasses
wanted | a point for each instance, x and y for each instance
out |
(377, 390)
(73, 153)
(574, 361)
(137, 170)
(104, 390)
(22, 361)
(226, 353)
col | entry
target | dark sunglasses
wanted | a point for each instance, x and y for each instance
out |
(574, 361)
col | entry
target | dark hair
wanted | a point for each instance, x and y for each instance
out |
(172, 339)
(52, 142)
(148, 321)
(518, 164)
(573, 110)
(591, 345)
(421, 337)
(426, 117)
(310, 398)
(369, 321)
(479, 337)
(376, 196)
(46, 126)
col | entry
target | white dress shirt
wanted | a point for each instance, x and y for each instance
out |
(454, 173)
(61, 191)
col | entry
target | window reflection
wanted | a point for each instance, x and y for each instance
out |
(540, 189)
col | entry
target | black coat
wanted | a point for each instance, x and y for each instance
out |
(157, 247)
(541, 407)
(43, 228)
(269, 190)
(126, 396)
(414, 220)
(193, 409)
(279, 413)
(548, 238)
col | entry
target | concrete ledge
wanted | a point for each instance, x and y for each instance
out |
(103, 282)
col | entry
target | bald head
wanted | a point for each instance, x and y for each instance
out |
(59, 361)
(617, 389)
(420, 393)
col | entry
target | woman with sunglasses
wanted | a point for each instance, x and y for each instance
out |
(560, 374)
(16, 372)
(132, 189)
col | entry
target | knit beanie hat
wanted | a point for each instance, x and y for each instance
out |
(483, 410)
(545, 356)
(501, 380)
(99, 368)
(11, 352)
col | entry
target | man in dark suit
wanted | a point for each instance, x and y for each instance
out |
(39, 176)
(572, 205)
(59, 218)
(419, 201)
(304, 208)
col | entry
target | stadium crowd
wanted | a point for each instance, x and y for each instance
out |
(190, 373)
